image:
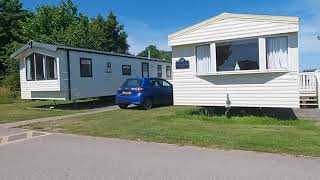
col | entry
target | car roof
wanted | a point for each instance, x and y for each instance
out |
(145, 78)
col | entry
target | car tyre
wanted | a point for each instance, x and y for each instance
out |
(123, 106)
(147, 104)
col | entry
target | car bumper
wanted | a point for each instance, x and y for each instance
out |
(124, 99)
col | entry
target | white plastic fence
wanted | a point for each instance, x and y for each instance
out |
(307, 82)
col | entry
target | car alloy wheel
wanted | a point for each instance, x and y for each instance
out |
(147, 104)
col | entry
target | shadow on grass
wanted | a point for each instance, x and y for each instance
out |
(80, 105)
(154, 107)
(277, 113)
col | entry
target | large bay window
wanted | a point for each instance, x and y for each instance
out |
(277, 53)
(237, 55)
(256, 55)
(40, 67)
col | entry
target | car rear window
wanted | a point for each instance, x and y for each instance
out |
(133, 83)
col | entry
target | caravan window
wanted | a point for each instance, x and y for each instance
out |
(51, 65)
(30, 69)
(126, 70)
(277, 53)
(145, 69)
(159, 70)
(40, 67)
(85, 67)
(237, 55)
(203, 59)
(168, 71)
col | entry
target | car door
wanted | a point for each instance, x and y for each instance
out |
(155, 91)
(166, 92)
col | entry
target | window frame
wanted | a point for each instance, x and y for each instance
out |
(142, 73)
(91, 73)
(167, 71)
(26, 67)
(129, 71)
(266, 53)
(55, 64)
(161, 84)
(238, 71)
(212, 61)
(45, 69)
(159, 70)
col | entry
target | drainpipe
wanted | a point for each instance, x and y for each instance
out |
(69, 76)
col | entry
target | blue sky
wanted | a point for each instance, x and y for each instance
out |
(149, 22)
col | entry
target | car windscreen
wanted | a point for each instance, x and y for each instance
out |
(133, 83)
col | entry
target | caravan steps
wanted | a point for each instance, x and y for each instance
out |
(308, 89)
(308, 101)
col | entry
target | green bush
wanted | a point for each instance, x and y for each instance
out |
(12, 82)
(7, 96)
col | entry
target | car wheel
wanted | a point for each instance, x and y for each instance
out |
(147, 104)
(123, 106)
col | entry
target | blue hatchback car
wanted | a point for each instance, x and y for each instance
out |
(144, 92)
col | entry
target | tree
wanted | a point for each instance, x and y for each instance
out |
(116, 39)
(78, 34)
(61, 24)
(50, 21)
(155, 53)
(11, 16)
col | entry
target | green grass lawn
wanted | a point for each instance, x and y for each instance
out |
(19, 110)
(179, 125)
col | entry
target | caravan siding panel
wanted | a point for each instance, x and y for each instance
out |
(233, 29)
(103, 82)
(246, 90)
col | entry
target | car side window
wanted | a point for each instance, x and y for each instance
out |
(154, 83)
(164, 83)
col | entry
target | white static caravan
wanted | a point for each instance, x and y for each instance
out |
(59, 73)
(238, 60)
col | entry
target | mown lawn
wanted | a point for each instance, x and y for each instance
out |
(180, 125)
(19, 110)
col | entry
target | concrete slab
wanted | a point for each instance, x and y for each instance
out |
(65, 157)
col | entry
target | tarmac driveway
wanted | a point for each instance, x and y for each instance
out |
(58, 156)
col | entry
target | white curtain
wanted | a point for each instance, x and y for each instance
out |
(44, 67)
(29, 75)
(55, 68)
(203, 59)
(277, 53)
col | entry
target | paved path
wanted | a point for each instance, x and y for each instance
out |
(66, 157)
(22, 123)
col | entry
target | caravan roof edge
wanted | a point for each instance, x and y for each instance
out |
(53, 47)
